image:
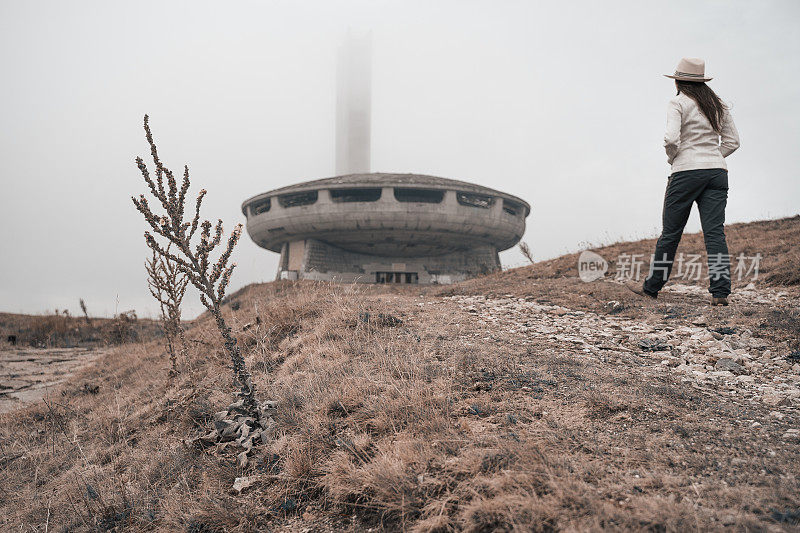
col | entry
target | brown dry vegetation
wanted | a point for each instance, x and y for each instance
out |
(778, 241)
(58, 330)
(392, 416)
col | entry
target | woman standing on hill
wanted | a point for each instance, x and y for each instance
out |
(700, 135)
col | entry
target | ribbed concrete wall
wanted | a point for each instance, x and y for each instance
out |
(388, 226)
(351, 227)
(322, 261)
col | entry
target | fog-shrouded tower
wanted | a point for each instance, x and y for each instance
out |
(354, 105)
(381, 227)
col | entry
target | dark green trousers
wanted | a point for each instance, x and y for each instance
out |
(709, 188)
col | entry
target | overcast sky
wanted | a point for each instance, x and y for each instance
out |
(560, 103)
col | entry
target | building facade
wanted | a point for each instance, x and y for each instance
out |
(386, 228)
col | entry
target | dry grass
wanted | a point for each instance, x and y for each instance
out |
(391, 416)
(62, 331)
(776, 240)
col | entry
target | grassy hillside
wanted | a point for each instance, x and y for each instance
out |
(59, 330)
(778, 242)
(525, 400)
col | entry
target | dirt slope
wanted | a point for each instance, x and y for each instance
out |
(525, 400)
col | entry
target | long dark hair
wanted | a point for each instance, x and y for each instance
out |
(708, 101)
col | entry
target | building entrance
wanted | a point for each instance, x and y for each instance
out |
(396, 277)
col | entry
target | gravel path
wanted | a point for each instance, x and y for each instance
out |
(728, 361)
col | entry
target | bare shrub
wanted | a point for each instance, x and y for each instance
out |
(168, 284)
(194, 260)
(526, 251)
(121, 328)
(85, 313)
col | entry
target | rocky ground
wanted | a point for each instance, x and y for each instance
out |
(732, 361)
(28, 374)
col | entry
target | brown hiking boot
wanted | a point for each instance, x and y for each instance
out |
(638, 288)
(719, 301)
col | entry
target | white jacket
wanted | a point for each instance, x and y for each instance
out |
(690, 141)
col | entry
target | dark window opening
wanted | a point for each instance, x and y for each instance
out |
(297, 199)
(512, 208)
(427, 196)
(262, 206)
(355, 195)
(404, 278)
(475, 200)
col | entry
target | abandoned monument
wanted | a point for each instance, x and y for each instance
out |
(386, 228)
(377, 227)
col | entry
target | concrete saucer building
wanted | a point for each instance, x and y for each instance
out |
(378, 227)
(386, 228)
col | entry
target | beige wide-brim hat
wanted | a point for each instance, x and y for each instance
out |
(690, 69)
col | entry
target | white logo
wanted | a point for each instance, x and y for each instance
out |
(591, 266)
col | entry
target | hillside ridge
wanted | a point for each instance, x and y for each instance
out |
(521, 400)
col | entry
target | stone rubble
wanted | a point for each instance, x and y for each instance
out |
(233, 427)
(731, 360)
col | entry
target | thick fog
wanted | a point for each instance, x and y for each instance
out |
(560, 103)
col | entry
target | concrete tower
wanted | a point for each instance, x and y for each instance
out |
(381, 228)
(354, 105)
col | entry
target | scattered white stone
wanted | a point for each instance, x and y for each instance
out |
(737, 363)
(722, 374)
(774, 400)
(242, 483)
(242, 459)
